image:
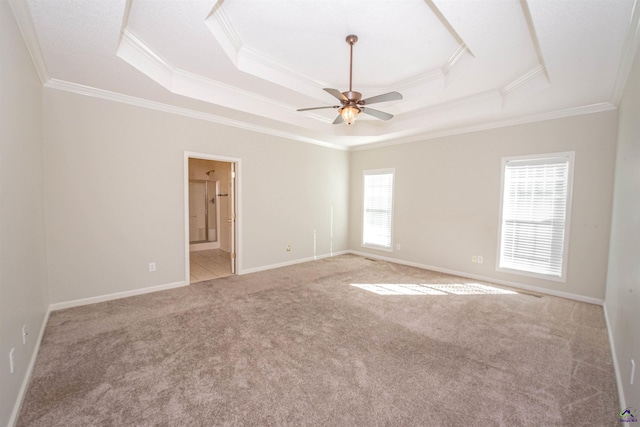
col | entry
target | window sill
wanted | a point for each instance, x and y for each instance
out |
(561, 279)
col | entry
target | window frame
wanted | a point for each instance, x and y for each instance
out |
(385, 171)
(570, 157)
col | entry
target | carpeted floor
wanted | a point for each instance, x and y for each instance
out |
(301, 346)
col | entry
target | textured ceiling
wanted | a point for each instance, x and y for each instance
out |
(251, 63)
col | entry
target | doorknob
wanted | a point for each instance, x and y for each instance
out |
(229, 220)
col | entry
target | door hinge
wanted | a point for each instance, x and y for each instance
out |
(233, 255)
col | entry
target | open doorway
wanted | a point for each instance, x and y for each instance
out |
(210, 212)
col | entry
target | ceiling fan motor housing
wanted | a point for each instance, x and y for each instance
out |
(352, 97)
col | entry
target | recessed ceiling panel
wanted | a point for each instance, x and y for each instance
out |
(308, 37)
(177, 32)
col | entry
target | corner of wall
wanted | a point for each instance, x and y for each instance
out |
(616, 367)
(27, 377)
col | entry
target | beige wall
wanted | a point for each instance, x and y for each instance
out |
(23, 284)
(622, 300)
(114, 178)
(447, 193)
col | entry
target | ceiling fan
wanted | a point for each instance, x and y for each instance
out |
(351, 102)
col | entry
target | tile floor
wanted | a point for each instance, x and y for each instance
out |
(209, 264)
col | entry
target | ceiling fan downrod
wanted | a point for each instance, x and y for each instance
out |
(351, 39)
(350, 109)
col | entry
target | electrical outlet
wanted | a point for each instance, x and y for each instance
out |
(398, 247)
(474, 258)
(288, 248)
(11, 360)
(24, 334)
(480, 259)
(152, 267)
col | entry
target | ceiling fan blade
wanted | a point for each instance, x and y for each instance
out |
(391, 96)
(377, 113)
(338, 120)
(336, 93)
(317, 108)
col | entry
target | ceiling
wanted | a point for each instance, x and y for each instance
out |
(460, 65)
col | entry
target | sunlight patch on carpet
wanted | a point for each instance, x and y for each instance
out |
(432, 289)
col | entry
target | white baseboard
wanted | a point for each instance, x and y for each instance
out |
(616, 367)
(486, 279)
(27, 376)
(117, 295)
(287, 263)
(125, 294)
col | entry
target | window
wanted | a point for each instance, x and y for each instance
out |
(534, 224)
(378, 209)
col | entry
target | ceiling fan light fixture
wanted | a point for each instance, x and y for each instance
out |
(349, 113)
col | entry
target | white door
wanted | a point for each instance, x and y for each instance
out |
(232, 219)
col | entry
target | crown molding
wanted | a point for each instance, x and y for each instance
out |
(524, 87)
(254, 62)
(446, 24)
(22, 15)
(220, 26)
(136, 53)
(454, 58)
(140, 55)
(255, 56)
(532, 118)
(133, 50)
(534, 35)
(140, 46)
(125, 16)
(629, 52)
(261, 65)
(225, 24)
(526, 77)
(186, 77)
(185, 112)
(420, 79)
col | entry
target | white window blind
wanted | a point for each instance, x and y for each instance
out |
(378, 209)
(535, 208)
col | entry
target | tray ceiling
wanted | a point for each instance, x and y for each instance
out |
(251, 63)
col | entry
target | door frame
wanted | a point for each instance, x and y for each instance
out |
(236, 231)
